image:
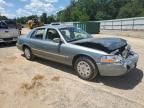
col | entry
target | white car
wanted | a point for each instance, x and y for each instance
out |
(9, 32)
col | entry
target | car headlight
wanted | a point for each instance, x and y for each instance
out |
(111, 59)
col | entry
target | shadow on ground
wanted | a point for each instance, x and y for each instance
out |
(125, 82)
(56, 65)
(4, 45)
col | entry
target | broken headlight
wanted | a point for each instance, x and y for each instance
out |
(111, 59)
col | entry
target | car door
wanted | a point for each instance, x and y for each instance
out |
(15, 31)
(36, 41)
(51, 48)
(1, 32)
(4, 31)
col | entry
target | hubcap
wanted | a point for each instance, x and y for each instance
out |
(27, 53)
(84, 69)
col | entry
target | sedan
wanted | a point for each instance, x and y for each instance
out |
(72, 46)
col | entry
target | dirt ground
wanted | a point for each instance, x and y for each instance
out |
(44, 84)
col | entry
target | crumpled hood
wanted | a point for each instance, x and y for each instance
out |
(104, 44)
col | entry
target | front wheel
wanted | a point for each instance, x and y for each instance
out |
(28, 54)
(85, 68)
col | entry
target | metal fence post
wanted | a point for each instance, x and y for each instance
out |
(133, 25)
(121, 25)
(112, 25)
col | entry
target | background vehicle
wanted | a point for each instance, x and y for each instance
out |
(34, 23)
(89, 56)
(9, 31)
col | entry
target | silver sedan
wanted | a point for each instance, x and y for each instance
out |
(72, 46)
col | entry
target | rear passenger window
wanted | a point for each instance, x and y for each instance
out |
(38, 34)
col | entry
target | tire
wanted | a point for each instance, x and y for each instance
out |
(85, 68)
(28, 53)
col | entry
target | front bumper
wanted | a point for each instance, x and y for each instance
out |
(19, 46)
(118, 69)
(7, 40)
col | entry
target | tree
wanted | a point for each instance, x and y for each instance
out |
(22, 20)
(50, 19)
(43, 18)
(102, 15)
(32, 17)
(3, 18)
(132, 9)
(101, 10)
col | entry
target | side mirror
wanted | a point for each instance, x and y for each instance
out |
(57, 40)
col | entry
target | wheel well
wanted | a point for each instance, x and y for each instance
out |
(82, 55)
(25, 46)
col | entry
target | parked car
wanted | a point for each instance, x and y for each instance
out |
(71, 46)
(8, 31)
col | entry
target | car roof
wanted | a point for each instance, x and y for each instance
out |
(56, 26)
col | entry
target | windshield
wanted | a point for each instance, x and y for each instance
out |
(73, 34)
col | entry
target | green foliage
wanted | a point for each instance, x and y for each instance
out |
(84, 10)
(3, 18)
(32, 17)
(102, 15)
(43, 18)
(131, 9)
(24, 20)
(50, 19)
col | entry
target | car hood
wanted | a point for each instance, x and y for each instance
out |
(104, 44)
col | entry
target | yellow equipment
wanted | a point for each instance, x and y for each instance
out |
(34, 23)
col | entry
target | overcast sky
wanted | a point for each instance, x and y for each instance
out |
(18, 8)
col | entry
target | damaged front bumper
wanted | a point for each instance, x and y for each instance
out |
(118, 69)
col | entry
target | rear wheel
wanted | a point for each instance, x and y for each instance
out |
(28, 54)
(85, 68)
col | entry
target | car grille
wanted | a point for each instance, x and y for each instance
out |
(8, 39)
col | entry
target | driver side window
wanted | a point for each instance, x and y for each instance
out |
(52, 34)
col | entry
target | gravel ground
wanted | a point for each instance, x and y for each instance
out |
(44, 84)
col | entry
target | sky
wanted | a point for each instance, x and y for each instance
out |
(19, 8)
